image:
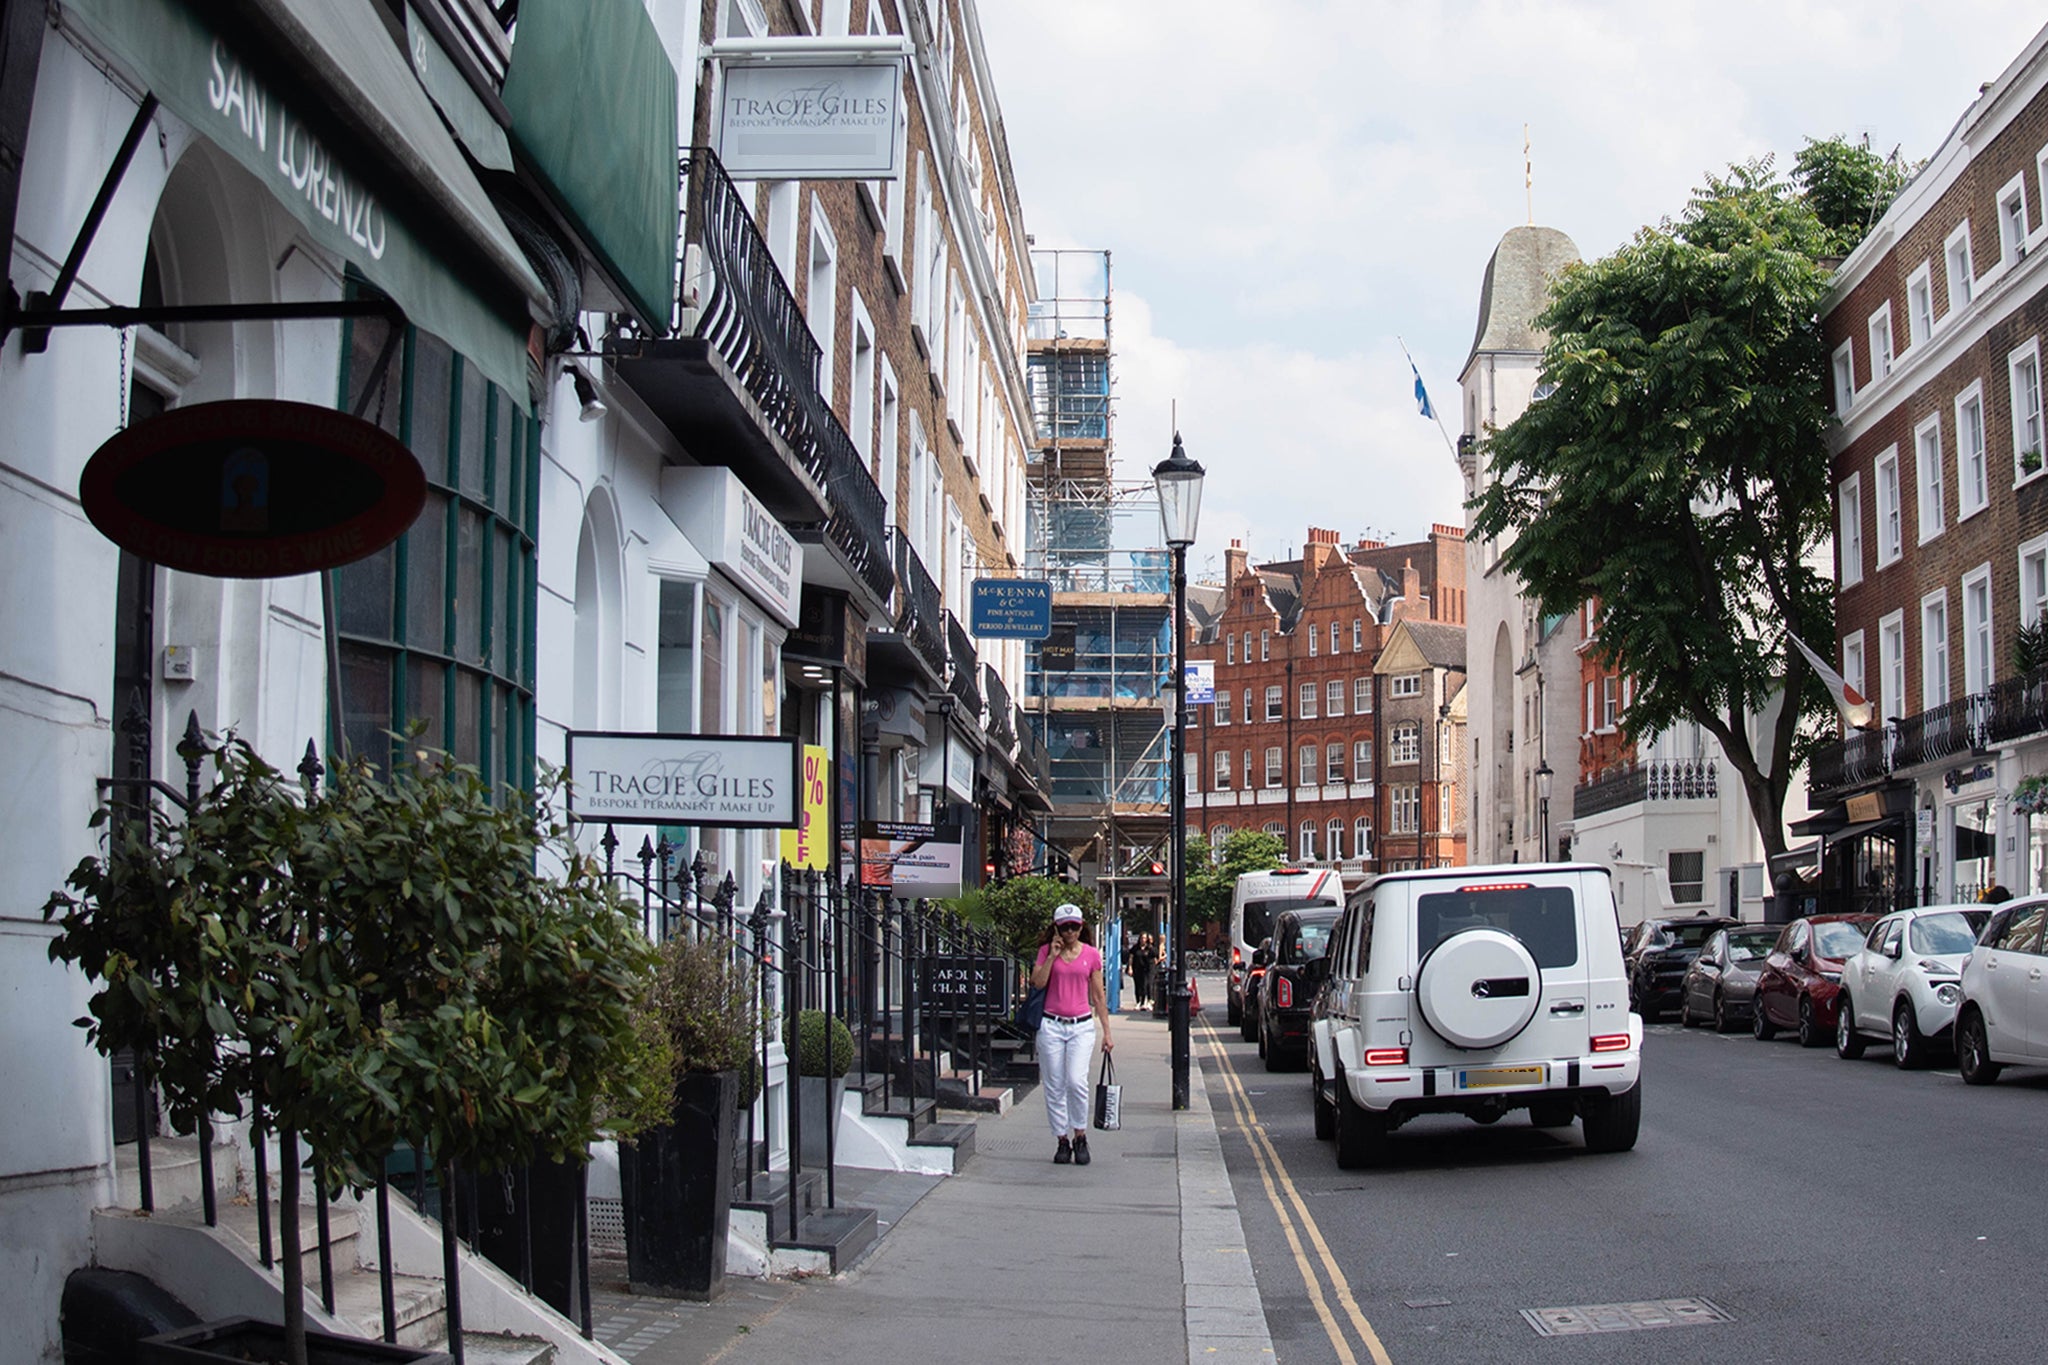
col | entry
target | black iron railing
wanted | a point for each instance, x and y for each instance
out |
(2016, 707)
(1657, 780)
(747, 313)
(1031, 752)
(2010, 709)
(1001, 725)
(1934, 734)
(920, 610)
(965, 682)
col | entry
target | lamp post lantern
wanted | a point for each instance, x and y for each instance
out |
(1543, 776)
(1179, 481)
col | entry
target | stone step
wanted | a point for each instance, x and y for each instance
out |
(841, 1234)
(173, 1172)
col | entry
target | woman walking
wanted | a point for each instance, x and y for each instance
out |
(1076, 1008)
(1140, 958)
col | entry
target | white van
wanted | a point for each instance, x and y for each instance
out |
(1476, 990)
(1257, 898)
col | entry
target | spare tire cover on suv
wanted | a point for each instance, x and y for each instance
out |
(1478, 988)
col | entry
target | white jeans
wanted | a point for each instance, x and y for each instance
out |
(1064, 1052)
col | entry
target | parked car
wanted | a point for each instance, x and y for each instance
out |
(1802, 976)
(1254, 901)
(1906, 981)
(2002, 1018)
(1476, 991)
(1254, 979)
(1294, 970)
(1720, 985)
(1657, 952)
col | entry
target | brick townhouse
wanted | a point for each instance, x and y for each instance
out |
(1303, 740)
(1941, 518)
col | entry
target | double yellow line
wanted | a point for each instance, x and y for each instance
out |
(1297, 1223)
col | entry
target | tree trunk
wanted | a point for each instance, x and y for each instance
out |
(288, 1246)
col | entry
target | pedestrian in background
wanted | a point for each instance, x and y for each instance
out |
(1076, 1012)
(1140, 958)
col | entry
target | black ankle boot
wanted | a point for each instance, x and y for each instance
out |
(1080, 1151)
(1065, 1155)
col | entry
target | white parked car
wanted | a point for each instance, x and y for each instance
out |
(1906, 981)
(1476, 991)
(2003, 1016)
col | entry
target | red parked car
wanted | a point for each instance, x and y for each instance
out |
(1802, 976)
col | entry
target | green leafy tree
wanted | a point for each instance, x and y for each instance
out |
(1212, 877)
(1847, 186)
(1019, 911)
(1679, 470)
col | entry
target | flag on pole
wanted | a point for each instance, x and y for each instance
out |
(1421, 394)
(1857, 712)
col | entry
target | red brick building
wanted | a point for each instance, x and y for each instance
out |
(1304, 728)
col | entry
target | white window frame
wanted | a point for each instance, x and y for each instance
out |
(2029, 429)
(1361, 837)
(1404, 685)
(1276, 765)
(1844, 363)
(1276, 702)
(1223, 770)
(1404, 809)
(1852, 662)
(1333, 697)
(1973, 471)
(1361, 760)
(1891, 531)
(860, 404)
(1308, 841)
(1313, 639)
(2012, 220)
(890, 437)
(1308, 764)
(1980, 664)
(1230, 648)
(1333, 836)
(821, 305)
(1880, 332)
(1934, 649)
(1928, 477)
(1265, 645)
(1849, 530)
(1920, 305)
(1307, 699)
(1361, 695)
(2033, 583)
(1962, 282)
(1891, 665)
(1404, 743)
(1336, 637)
(1249, 703)
(1333, 764)
(1222, 707)
(1357, 635)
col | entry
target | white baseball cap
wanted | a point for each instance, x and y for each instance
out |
(1068, 913)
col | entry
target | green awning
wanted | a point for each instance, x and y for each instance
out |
(467, 118)
(340, 132)
(593, 101)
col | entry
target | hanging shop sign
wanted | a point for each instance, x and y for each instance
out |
(731, 528)
(253, 488)
(911, 860)
(1010, 609)
(802, 109)
(1056, 652)
(1200, 682)
(723, 781)
(808, 846)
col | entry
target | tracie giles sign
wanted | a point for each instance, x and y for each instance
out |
(823, 119)
(727, 781)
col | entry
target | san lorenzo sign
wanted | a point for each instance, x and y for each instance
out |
(253, 488)
(730, 781)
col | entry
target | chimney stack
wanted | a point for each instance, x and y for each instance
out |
(1233, 563)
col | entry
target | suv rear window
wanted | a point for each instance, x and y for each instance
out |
(1258, 915)
(1545, 918)
(1307, 940)
(1690, 935)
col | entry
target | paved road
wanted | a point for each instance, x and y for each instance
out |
(1836, 1211)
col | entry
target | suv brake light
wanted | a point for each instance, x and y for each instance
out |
(1386, 1056)
(1611, 1042)
(1495, 886)
(1283, 992)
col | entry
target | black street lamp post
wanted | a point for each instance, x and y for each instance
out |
(1543, 776)
(1179, 481)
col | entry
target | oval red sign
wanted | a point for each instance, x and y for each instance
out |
(253, 488)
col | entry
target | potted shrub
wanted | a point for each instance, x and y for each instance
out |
(379, 963)
(676, 1178)
(822, 1048)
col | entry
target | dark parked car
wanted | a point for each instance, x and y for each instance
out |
(1656, 954)
(1801, 982)
(1720, 985)
(1294, 971)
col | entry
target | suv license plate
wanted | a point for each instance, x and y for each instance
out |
(1500, 1076)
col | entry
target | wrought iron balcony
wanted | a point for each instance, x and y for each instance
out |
(1031, 752)
(966, 676)
(1659, 781)
(2011, 709)
(920, 610)
(1001, 727)
(738, 383)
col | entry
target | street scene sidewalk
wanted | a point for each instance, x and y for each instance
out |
(1138, 1257)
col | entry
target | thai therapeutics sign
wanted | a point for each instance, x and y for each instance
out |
(1010, 609)
(727, 781)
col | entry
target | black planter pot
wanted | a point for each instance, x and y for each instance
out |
(676, 1188)
(821, 1103)
(531, 1234)
(246, 1339)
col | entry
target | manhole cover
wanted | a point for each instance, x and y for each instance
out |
(1586, 1318)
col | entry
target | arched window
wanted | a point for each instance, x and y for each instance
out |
(1308, 841)
(1335, 834)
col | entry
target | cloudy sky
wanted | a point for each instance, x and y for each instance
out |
(1289, 186)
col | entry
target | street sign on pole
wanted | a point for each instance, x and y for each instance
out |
(1201, 682)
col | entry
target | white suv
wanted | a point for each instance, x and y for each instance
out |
(1476, 990)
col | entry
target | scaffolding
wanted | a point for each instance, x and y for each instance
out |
(1102, 714)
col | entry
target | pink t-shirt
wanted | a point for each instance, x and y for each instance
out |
(1066, 990)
